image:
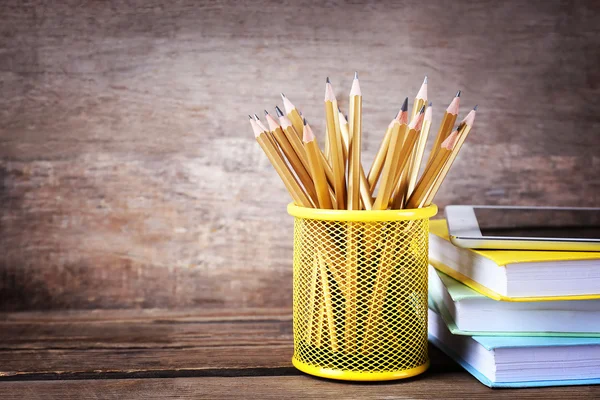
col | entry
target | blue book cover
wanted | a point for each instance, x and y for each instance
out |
(439, 335)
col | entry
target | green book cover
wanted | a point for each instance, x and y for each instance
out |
(459, 292)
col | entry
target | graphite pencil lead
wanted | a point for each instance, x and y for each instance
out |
(282, 95)
(425, 80)
(278, 111)
(250, 116)
(405, 105)
(266, 112)
(430, 104)
(458, 94)
(256, 117)
(355, 74)
(327, 80)
(422, 110)
(304, 121)
(475, 108)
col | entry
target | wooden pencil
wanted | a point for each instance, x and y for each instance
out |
(292, 137)
(289, 180)
(298, 146)
(420, 99)
(338, 133)
(293, 114)
(293, 159)
(355, 141)
(296, 115)
(328, 302)
(335, 145)
(463, 131)
(391, 159)
(365, 192)
(377, 166)
(316, 167)
(432, 169)
(448, 121)
(410, 139)
(419, 102)
(417, 155)
(312, 301)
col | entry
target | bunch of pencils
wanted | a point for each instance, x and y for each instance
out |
(335, 179)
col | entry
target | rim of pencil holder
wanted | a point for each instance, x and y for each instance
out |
(362, 215)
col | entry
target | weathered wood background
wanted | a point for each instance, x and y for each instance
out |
(129, 176)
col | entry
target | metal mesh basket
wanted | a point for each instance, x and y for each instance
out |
(360, 292)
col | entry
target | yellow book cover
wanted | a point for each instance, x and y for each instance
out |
(517, 275)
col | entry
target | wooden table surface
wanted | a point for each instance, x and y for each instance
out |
(242, 353)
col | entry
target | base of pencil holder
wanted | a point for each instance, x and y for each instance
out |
(360, 293)
(358, 376)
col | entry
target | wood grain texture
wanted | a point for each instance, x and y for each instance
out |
(238, 353)
(151, 343)
(128, 174)
(452, 385)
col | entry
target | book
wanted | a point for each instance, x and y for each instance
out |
(518, 361)
(467, 312)
(517, 275)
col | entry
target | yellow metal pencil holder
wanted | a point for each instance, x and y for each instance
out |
(360, 292)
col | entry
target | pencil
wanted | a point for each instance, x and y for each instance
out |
(293, 114)
(316, 167)
(377, 166)
(355, 140)
(417, 155)
(423, 187)
(463, 132)
(328, 303)
(293, 159)
(292, 137)
(391, 159)
(419, 102)
(335, 146)
(365, 192)
(289, 180)
(312, 296)
(400, 181)
(420, 99)
(448, 121)
(298, 146)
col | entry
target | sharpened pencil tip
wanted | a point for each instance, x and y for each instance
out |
(355, 74)
(300, 112)
(475, 108)
(458, 94)
(304, 121)
(405, 105)
(430, 104)
(422, 110)
(256, 117)
(282, 95)
(266, 112)
(250, 116)
(278, 111)
(327, 80)
(425, 80)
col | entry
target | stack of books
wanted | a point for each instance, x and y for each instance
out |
(516, 318)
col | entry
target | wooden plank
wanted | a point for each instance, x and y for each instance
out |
(152, 343)
(428, 386)
(129, 177)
